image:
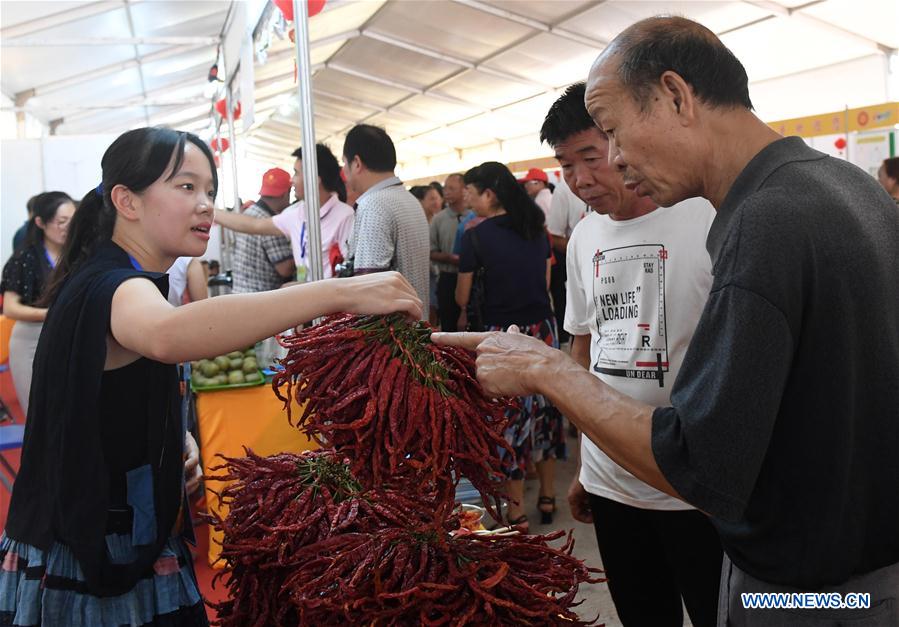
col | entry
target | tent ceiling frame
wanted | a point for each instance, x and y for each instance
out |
(417, 48)
(537, 25)
(115, 104)
(23, 34)
(265, 144)
(287, 53)
(59, 18)
(140, 67)
(797, 13)
(160, 91)
(31, 42)
(272, 137)
(412, 89)
(538, 28)
(114, 68)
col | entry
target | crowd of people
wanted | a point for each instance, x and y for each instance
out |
(727, 298)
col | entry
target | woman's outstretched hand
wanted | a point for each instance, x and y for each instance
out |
(380, 293)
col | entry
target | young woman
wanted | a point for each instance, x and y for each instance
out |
(24, 277)
(512, 248)
(336, 217)
(94, 529)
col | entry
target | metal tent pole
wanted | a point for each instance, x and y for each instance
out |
(307, 124)
(224, 234)
(231, 135)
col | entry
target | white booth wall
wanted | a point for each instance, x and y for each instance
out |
(69, 164)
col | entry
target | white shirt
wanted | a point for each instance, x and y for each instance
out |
(178, 280)
(638, 288)
(336, 222)
(544, 200)
(566, 211)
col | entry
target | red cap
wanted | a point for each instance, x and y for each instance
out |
(535, 174)
(275, 182)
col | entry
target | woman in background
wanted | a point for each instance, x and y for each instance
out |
(512, 249)
(431, 199)
(24, 277)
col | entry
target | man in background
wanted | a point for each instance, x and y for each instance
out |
(391, 231)
(565, 212)
(264, 263)
(443, 236)
(656, 549)
(536, 184)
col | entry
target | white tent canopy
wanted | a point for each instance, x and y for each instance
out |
(454, 82)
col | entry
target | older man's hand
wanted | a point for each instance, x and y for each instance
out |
(509, 364)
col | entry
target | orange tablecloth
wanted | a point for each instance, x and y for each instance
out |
(231, 419)
(6, 325)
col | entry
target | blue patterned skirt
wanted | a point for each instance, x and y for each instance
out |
(47, 588)
(536, 431)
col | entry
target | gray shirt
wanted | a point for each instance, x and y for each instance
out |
(784, 425)
(391, 233)
(443, 236)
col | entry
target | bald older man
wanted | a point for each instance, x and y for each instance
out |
(784, 419)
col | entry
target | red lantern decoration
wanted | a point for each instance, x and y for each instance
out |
(840, 143)
(222, 111)
(286, 7)
(214, 144)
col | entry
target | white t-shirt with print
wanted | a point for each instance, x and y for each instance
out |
(637, 287)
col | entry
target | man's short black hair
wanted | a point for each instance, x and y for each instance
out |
(372, 145)
(567, 116)
(891, 167)
(647, 49)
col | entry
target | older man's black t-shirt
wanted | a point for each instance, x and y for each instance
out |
(785, 418)
(515, 279)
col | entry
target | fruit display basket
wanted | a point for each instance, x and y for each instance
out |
(238, 369)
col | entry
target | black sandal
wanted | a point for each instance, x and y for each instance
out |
(546, 518)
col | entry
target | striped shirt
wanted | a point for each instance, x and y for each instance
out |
(391, 233)
(255, 256)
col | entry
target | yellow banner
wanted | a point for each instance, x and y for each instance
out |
(860, 119)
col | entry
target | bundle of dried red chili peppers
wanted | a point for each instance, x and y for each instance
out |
(398, 406)
(306, 545)
(364, 532)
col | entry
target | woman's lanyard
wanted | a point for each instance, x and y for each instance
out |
(134, 263)
(303, 242)
(49, 258)
(322, 216)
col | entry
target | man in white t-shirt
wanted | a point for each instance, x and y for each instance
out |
(638, 279)
(335, 216)
(564, 214)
